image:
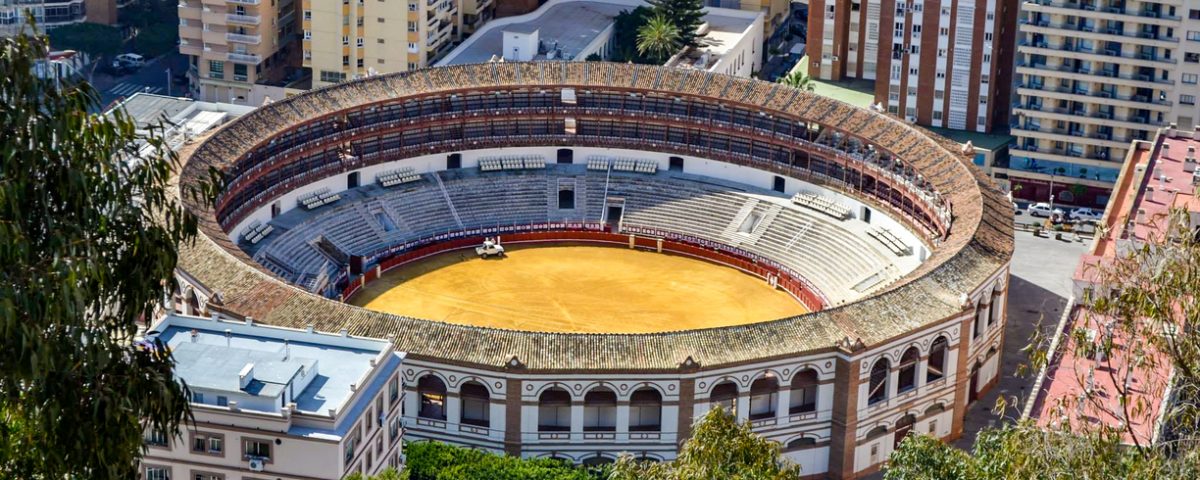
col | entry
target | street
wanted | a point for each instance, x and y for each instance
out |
(152, 78)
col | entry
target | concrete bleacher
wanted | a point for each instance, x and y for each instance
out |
(843, 258)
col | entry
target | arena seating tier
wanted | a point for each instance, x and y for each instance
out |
(835, 255)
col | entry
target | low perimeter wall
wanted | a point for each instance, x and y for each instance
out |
(803, 291)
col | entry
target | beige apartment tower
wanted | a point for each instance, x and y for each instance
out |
(353, 38)
(1093, 76)
(232, 45)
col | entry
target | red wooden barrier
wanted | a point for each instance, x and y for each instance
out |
(797, 287)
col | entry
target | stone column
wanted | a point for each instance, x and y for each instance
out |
(512, 417)
(844, 417)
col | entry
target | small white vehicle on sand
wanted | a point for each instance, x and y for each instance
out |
(489, 248)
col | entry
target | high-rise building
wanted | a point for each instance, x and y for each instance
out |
(352, 38)
(1094, 75)
(934, 62)
(232, 45)
(49, 14)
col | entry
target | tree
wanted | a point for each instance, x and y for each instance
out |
(625, 35)
(89, 232)
(798, 79)
(658, 39)
(439, 461)
(720, 447)
(686, 15)
(1146, 297)
(92, 38)
(387, 474)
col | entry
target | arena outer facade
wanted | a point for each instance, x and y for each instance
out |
(866, 370)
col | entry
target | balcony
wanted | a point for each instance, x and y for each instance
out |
(243, 19)
(244, 2)
(242, 38)
(1107, 13)
(244, 58)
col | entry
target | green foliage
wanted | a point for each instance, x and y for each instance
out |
(1028, 451)
(720, 447)
(89, 232)
(798, 79)
(625, 35)
(387, 474)
(687, 15)
(438, 461)
(658, 39)
(595, 57)
(92, 38)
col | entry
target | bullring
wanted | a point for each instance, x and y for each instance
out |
(834, 386)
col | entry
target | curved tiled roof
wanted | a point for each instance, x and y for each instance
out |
(979, 243)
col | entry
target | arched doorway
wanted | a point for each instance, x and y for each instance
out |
(904, 426)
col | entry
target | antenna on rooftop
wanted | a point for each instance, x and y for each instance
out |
(287, 350)
(228, 337)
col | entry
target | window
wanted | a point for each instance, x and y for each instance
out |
(645, 411)
(198, 397)
(216, 69)
(1194, 14)
(877, 388)
(394, 390)
(308, 14)
(359, 42)
(763, 396)
(1187, 99)
(554, 411)
(1191, 57)
(804, 392)
(379, 19)
(724, 395)
(156, 438)
(907, 379)
(412, 26)
(1190, 78)
(158, 473)
(936, 370)
(360, 63)
(412, 7)
(258, 449)
(432, 393)
(208, 443)
(206, 476)
(476, 406)
(332, 77)
(600, 410)
(345, 60)
(308, 35)
(345, 40)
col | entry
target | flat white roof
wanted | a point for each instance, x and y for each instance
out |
(574, 24)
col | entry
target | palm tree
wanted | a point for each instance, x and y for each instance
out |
(658, 39)
(798, 79)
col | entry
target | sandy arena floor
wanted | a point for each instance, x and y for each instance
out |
(573, 288)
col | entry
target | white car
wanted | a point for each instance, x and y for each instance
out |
(1086, 215)
(131, 60)
(1043, 210)
(489, 248)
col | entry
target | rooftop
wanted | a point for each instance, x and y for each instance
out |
(206, 357)
(1155, 178)
(573, 24)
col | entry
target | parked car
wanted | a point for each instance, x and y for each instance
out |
(129, 60)
(1044, 210)
(1086, 215)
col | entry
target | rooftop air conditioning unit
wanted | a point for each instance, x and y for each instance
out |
(256, 465)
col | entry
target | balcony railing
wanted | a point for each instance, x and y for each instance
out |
(244, 58)
(242, 38)
(244, 2)
(242, 19)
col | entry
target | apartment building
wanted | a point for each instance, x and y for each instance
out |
(352, 38)
(1094, 76)
(279, 403)
(232, 45)
(937, 63)
(49, 13)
